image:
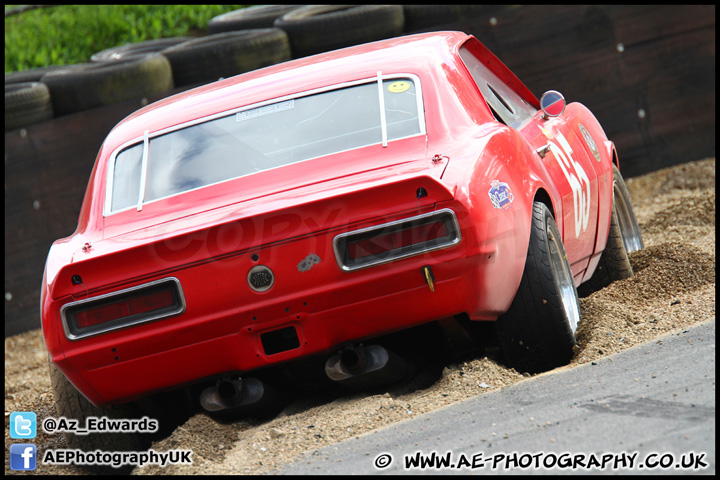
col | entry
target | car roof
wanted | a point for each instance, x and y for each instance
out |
(421, 54)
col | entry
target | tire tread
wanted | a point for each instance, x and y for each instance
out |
(533, 333)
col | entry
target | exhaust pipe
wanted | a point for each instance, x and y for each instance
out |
(239, 396)
(360, 367)
(353, 360)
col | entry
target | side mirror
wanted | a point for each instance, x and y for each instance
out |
(552, 103)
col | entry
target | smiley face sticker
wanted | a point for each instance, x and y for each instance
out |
(398, 87)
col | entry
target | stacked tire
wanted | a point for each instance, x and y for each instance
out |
(26, 104)
(239, 41)
(260, 16)
(91, 85)
(138, 71)
(318, 28)
(40, 94)
(315, 29)
(222, 55)
(27, 100)
(137, 50)
(31, 75)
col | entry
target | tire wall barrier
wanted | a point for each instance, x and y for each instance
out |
(646, 72)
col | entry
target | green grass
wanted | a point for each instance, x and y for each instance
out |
(69, 34)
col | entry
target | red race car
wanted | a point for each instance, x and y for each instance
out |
(306, 209)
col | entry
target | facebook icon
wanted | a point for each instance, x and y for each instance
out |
(23, 456)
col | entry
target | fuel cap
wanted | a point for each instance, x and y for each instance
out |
(260, 278)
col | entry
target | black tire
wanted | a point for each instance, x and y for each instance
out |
(260, 16)
(137, 50)
(632, 238)
(90, 85)
(320, 28)
(224, 55)
(72, 404)
(26, 104)
(624, 237)
(31, 75)
(537, 333)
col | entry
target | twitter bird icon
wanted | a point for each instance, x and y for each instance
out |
(23, 425)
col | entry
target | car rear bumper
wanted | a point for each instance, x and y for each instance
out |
(134, 362)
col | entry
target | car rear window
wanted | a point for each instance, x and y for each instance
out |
(267, 136)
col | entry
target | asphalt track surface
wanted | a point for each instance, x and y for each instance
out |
(632, 412)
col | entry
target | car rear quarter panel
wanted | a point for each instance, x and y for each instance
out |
(497, 239)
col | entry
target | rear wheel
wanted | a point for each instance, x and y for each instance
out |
(623, 237)
(71, 404)
(537, 333)
(629, 228)
(168, 409)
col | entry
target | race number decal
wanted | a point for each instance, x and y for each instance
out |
(576, 177)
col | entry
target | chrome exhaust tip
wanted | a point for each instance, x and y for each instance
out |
(238, 395)
(363, 367)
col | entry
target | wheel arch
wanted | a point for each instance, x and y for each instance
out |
(614, 159)
(542, 196)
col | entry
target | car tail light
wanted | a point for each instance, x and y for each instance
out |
(141, 304)
(396, 240)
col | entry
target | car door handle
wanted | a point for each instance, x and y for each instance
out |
(542, 151)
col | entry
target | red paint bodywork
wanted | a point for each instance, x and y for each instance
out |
(206, 238)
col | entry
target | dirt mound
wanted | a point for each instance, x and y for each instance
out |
(667, 269)
(696, 210)
(673, 285)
